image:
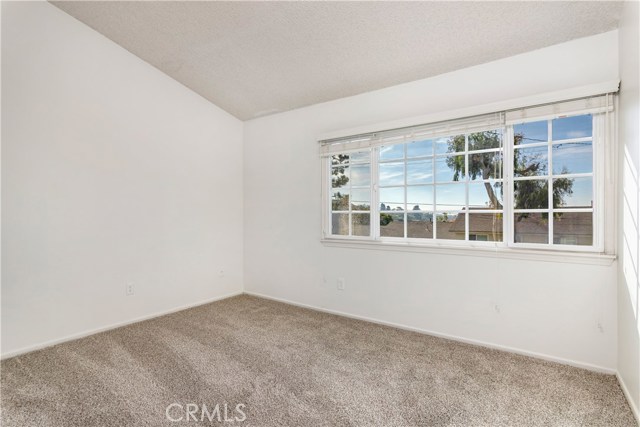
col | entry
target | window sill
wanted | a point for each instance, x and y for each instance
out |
(477, 251)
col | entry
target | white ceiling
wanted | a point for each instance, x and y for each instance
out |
(258, 58)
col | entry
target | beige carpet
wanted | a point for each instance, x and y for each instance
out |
(294, 367)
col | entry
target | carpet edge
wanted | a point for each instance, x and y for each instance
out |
(542, 356)
(87, 333)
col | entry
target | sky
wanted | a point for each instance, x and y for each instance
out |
(425, 176)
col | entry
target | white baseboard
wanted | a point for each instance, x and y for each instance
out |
(627, 394)
(83, 334)
(563, 361)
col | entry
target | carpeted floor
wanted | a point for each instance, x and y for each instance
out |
(290, 366)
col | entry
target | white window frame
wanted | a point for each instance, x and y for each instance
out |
(598, 139)
(603, 148)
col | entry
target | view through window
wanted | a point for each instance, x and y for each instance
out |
(530, 184)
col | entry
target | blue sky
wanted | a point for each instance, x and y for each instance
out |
(576, 157)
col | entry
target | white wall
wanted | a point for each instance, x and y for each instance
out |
(111, 172)
(549, 308)
(629, 137)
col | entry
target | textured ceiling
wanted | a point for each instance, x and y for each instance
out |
(258, 58)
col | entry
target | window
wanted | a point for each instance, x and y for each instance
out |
(527, 178)
(553, 181)
(351, 194)
(447, 188)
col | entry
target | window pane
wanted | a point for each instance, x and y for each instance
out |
(391, 224)
(572, 127)
(450, 225)
(420, 148)
(392, 199)
(485, 140)
(451, 144)
(361, 195)
(420, 225)
(392, 152)
(531, 194)
(485, 227)
(360, 206)
(575, 157)
(360, 224)
(530, 161)
(360, 157)
(339, 176)
(485, 195)
(531, 133)
(340, 224)
(360, 175)
(340, 200)
(450, 168)
(391, 173)
(573, 228)
(573, 192)
(420, 172)
(420, 198)
(485, 166)
(531, 228)
(450, 197)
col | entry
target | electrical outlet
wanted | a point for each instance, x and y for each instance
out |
(130, 289)
(341, 284)
(221, 273)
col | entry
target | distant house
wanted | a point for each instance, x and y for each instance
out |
(482, 227)
(569, 228)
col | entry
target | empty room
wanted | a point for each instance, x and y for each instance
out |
(318, 213)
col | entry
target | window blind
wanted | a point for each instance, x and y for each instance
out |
(589, 105)
(413, 133)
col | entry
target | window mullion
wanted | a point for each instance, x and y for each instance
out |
(507, 186)
(326, 196)
(433, 186)
(350, 200)
(375, 194)
(550, 179)
(600, 176)
(406, 216)
(466, 187)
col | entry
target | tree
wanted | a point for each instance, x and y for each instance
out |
(534, 194)
(340, 202)
(529, 194)
(483, 165)
(338, 180)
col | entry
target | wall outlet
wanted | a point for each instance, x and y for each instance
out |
(130, 289)
(221, 273)
(341, 284)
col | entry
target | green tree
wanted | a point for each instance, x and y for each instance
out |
(528, 194)
(340, 201)
(339, 179)
(385, 219)
(481, 165)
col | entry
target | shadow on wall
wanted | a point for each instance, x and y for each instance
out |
(631, 237)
